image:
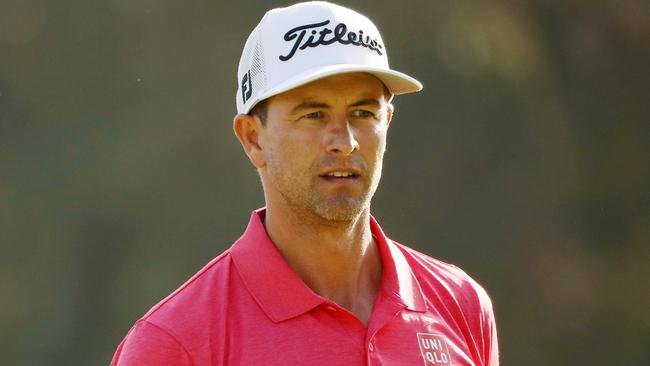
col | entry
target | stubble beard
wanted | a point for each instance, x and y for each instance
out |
(338, 208)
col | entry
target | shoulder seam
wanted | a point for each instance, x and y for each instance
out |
(194, 277)
(172, 336)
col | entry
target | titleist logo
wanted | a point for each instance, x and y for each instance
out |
(339, 34)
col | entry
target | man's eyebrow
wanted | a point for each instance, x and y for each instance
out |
(367, 102)
(308, 104)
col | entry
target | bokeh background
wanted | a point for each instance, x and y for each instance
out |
(525, 161)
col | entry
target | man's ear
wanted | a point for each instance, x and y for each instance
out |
(247, 128)
(389, 113)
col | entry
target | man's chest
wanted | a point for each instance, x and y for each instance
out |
(332, 337)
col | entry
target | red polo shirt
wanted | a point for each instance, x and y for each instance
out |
(247, 307)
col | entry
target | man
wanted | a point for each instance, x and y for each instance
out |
(314, 280)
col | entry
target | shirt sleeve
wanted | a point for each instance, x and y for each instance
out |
(490, 342)
(147, 344)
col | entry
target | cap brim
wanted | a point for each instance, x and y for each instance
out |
(396, 82)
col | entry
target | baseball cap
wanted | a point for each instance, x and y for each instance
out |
(308, 41)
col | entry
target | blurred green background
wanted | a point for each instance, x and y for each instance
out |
(524, 161)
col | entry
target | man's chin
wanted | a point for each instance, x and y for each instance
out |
(340, 210)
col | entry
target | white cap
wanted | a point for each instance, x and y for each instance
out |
(298, 44)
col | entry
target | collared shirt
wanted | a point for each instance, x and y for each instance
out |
(248, 307)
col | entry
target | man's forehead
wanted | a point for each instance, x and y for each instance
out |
(354, 86)
(347, 81)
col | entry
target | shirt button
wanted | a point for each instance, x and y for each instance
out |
(371, 347)
(331, 308)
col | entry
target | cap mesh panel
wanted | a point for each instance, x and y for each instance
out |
(258, 76)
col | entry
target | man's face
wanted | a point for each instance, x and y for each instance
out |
(323, 145)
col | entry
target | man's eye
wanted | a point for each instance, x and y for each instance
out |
(314, 115)
(362, 113)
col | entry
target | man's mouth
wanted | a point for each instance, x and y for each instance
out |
(340, 175)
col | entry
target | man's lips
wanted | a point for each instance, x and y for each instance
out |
(339, 174)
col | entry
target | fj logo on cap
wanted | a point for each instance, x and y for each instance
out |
(434, 349)
(246, 86)
(340, 34)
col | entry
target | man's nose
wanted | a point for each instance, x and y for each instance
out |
(340, 138)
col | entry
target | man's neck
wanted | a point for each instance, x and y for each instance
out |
(337, 260)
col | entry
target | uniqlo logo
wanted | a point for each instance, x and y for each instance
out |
(434, 349)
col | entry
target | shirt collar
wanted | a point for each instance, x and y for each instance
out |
(283, 295)
(398, 279)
